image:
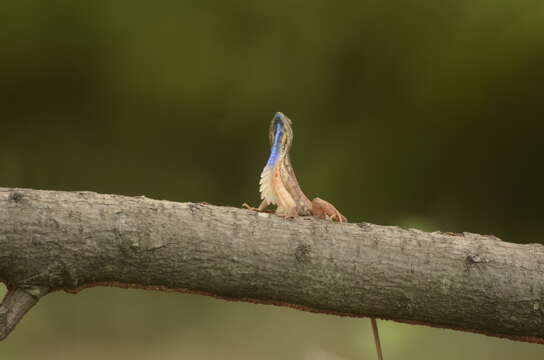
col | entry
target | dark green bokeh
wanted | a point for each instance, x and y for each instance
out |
(421, 114)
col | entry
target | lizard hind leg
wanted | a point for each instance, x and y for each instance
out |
(325, 210)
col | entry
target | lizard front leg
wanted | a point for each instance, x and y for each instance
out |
(325, 210)
(261, 208)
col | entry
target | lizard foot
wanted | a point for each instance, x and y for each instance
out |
(249, 207)
(261, 208)
(325, 210)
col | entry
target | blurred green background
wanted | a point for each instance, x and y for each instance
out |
(412, 113)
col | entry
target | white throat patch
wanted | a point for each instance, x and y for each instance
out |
(266, 189)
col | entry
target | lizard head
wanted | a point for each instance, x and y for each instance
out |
(281, 137)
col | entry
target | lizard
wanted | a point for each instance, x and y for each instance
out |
(279, 186)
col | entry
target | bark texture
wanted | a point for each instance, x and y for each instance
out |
(53, 240)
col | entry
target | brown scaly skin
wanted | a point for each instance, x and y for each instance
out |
(294, 202)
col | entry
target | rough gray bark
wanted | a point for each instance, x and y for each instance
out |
(15, 305)
(52, 240)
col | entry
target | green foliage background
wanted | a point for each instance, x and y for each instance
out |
(424, 114)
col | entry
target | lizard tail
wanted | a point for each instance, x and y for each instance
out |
(376, 338)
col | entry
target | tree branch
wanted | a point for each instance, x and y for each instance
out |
(15, 305)
(52, 240)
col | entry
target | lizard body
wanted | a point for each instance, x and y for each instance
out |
(279, 185)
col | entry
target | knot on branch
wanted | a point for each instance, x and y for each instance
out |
(303, 253)
(15, 196)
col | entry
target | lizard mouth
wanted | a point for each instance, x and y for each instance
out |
(279, 117)
(281, 124)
